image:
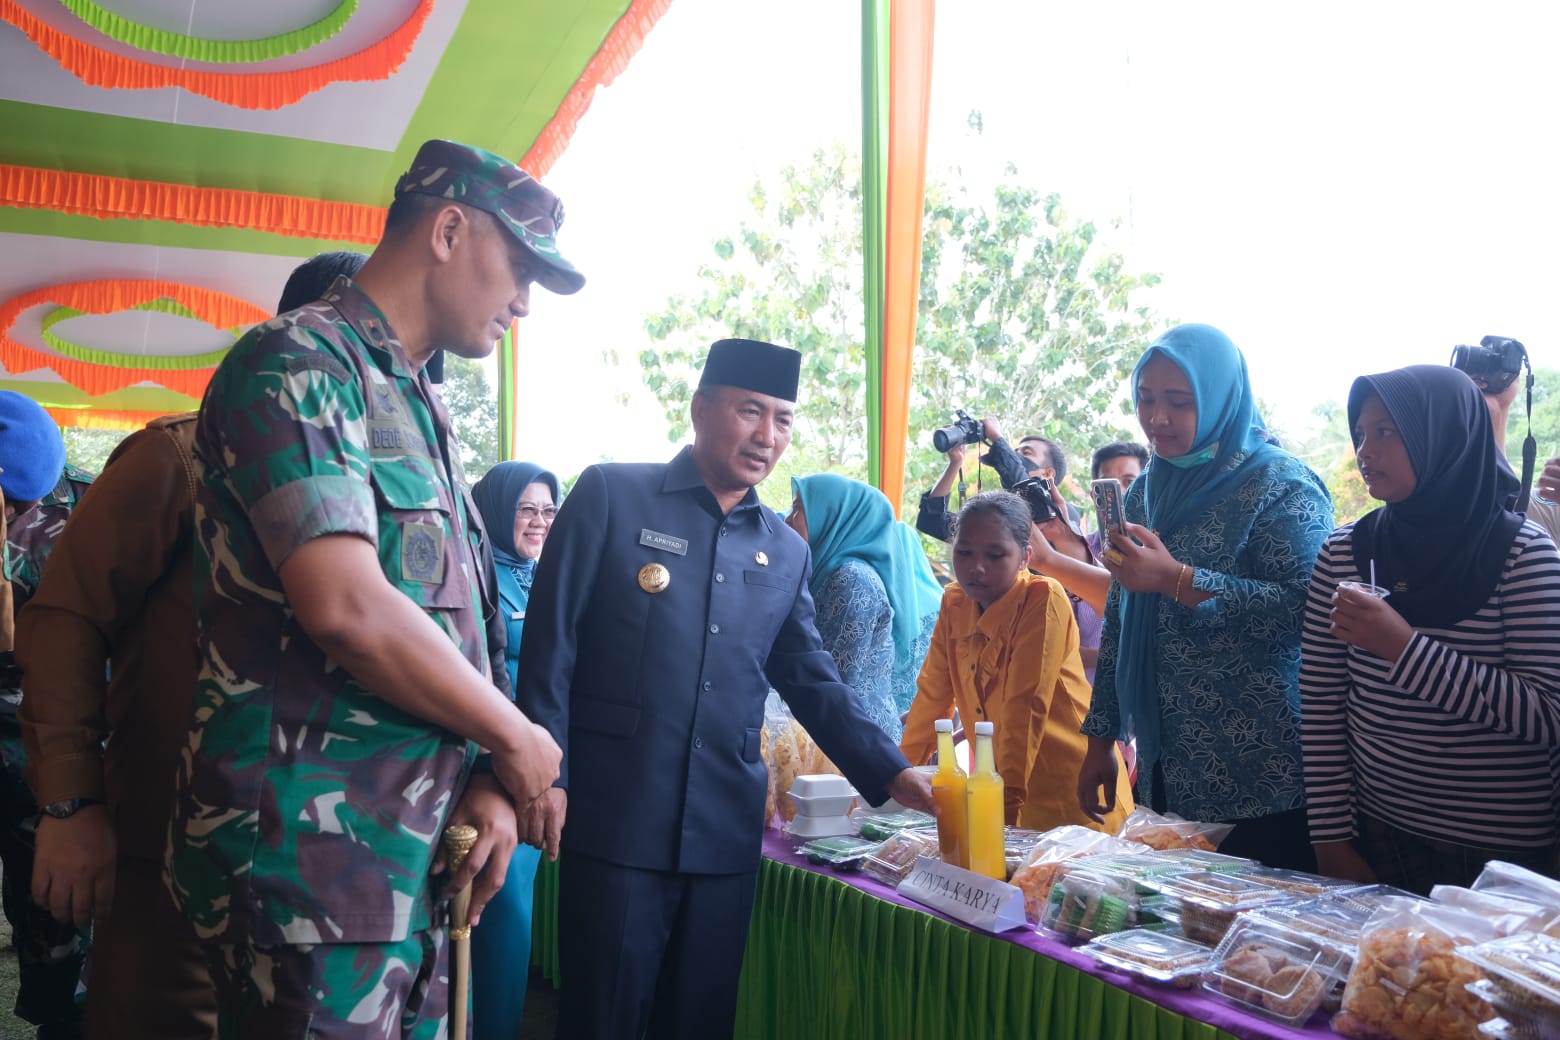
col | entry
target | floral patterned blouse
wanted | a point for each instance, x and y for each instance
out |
(855, 621)
(1228, 673)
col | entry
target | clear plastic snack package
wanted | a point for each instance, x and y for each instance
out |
(1525, 971)
(1515, 1029)
(1151, 955)
(1202, 859)
(880, 826)
(1507, 879)
(1371, 898)
(843, 853)
(1516, 1021)
(1408, 983)
(1208, 902)
(892, 861)
(1169, 831)
(1056, 847)
(1509, 914)
(1097, 895)
(1331, 920)
(1299, 881)
(1267, 969)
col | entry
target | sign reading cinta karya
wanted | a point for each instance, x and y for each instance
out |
(978, 901)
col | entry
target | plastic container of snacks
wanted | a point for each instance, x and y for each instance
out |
(1154, 956)
(1273, 972)
(1208, 902)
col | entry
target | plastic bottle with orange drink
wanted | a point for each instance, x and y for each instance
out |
(948, 788)
(985, 807)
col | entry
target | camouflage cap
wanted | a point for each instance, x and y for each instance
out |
(493, 184)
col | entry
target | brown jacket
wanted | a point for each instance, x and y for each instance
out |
(117, 588)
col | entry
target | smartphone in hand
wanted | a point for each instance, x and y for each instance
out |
(1109, 509)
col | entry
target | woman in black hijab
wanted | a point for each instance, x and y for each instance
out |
(1431, 717)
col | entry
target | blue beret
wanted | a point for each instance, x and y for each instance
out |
(32, 452)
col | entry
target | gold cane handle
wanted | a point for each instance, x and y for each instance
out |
(459, 840)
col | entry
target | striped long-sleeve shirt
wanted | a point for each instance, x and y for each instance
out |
(1459, 739)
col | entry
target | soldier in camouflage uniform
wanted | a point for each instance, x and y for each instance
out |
(344, 675)
(40, 492)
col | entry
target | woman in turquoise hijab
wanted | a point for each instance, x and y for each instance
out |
(1200, 655)
(876, 595)
(518, 501)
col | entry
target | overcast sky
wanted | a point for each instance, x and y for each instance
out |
(1341, 187)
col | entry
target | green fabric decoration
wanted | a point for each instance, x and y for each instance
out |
(825, 960)
(874, 213)
(194, 48)
(506, 395)
(544, 922)
(156, 362)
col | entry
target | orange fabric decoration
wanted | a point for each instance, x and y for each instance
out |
(109, 198)
(253, 90)
(99, 419)
(108, 297)
(620, 46)
(909, 102)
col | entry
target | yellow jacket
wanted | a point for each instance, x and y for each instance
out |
(1016, 666)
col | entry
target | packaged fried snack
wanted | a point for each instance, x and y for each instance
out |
(1054, 848)
(1408, 982)
(1171, 832)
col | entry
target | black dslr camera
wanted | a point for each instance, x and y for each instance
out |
(962, 430)
(1036, 491)
(1496, 362)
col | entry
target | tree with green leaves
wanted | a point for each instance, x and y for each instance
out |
(473, 408)
(1024, 316)
(89, 449)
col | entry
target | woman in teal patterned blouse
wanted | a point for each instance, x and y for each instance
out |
(876, 595)
(1200, 656)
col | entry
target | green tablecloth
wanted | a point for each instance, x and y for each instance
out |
(827, 960)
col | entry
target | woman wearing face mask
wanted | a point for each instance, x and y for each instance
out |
(518, 501)
(875, 593)
(1432, 717)
(1005, 651)
(1201, 649)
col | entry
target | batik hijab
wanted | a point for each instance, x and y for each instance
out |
(849, 520)
(1230, 443)
(497, 496)
(1441, 551)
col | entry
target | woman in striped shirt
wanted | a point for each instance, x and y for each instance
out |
(1431, 718)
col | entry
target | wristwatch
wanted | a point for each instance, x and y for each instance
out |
(64, 810)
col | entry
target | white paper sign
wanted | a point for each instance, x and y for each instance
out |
(977, 900)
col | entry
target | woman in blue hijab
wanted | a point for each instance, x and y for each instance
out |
(876, 595)
(1200, 656)
(518, 501)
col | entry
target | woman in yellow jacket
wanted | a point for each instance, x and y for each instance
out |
(1005, 651)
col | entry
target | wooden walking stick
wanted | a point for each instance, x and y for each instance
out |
(458, 843)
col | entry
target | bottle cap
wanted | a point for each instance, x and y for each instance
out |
(983, 729)
(943, 725)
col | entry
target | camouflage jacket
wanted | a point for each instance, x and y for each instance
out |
(307, 809)
(31, 536)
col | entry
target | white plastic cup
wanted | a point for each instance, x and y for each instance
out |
(1366, 587)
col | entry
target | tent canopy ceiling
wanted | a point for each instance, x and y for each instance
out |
(164, 166)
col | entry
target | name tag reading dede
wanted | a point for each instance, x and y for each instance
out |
(657, 540)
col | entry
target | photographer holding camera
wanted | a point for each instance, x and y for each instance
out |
(1035, 457)
(1494, 366)
(1032, 472)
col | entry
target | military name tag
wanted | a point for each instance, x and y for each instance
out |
(657, 540)
(654, 578)
(422, 553)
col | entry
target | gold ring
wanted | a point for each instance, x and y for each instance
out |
(1114, 556)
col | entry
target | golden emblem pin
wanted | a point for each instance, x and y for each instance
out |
(761, 559)
(654, 578)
